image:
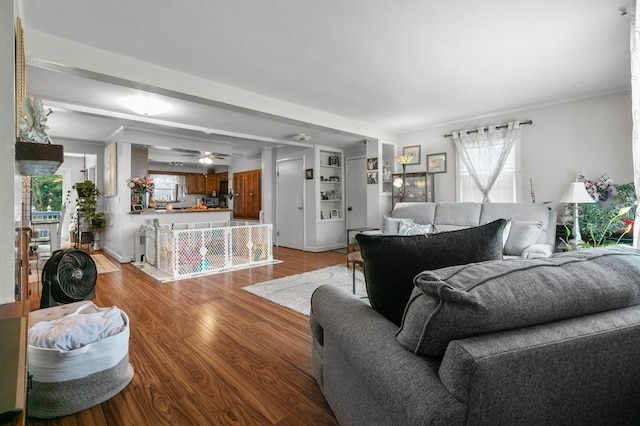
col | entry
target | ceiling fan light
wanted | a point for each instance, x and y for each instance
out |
(205, 160)
(146, 105)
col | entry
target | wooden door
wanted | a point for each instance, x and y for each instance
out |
(254, 194)
(247, 193)
(239, 195)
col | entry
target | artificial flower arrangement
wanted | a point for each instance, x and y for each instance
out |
(610, 218)
(600, 189)
(142, 185)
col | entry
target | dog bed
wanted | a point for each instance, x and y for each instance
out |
(78, 358)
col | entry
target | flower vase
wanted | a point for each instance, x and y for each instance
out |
(145, 201)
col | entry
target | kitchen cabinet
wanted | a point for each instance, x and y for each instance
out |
(195, 183)
(247, 194)
(212, 182)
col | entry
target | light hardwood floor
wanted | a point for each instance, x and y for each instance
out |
(206, 352)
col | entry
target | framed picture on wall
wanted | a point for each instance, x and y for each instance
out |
(110, 187)
(437, 163)
(372, 164)
(372, 177)
(414, 151)
(309, 173)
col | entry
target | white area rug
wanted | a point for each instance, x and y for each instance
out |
(294, 292)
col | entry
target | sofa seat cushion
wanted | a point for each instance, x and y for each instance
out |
(392, 261)
(468, 300)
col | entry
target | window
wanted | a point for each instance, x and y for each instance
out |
(503, 191)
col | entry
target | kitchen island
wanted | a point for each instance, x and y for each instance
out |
(131, 228)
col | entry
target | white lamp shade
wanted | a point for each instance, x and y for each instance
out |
(577, 193)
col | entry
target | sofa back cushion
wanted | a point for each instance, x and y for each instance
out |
(458, 215)
(392, 261)
(468, 300)
(420, 212)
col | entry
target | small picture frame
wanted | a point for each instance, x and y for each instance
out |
(137, 208)
(437, 163)
(412, 150)
(372, 163)
(309, 173)
(334, 160)
(334, 214)
(372, 177)
(334, 178)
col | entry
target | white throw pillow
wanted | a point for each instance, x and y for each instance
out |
(391, 225)
(412, 228)
(522, 234)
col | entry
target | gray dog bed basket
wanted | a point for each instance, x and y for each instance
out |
(67, 381)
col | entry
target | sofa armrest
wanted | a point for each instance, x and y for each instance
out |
(536, 251)
(367, 377)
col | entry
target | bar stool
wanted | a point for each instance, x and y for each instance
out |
(355, 259)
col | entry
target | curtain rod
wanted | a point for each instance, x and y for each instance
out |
(502, 126)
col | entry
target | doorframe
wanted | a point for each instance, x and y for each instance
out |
(304, 200)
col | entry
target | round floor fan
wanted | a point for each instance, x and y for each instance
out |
(68, 276)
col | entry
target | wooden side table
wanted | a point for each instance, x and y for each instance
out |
(355, 259)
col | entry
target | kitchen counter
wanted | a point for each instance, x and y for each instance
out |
(180, 210)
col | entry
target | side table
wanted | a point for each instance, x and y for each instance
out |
(355, 259)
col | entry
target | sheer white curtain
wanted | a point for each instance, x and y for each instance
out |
(635, 113)
(485, 151)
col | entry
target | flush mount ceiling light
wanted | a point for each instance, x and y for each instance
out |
(146, 105)
(301, 137)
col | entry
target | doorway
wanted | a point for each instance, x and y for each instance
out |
(356, 192)
(290, 203)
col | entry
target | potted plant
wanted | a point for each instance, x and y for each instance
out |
(86, 205)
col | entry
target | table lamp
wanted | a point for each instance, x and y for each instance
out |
(404, 160)
(576, 194)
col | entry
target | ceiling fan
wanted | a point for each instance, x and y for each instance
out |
(204, 157)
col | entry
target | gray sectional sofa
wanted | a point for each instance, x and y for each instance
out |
(526, 219)
(544, 341)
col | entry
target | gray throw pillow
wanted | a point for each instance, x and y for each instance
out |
(391, 226)
(468, 300)
(522, 234)
(392, 261)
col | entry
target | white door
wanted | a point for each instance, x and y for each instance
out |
(356, 193)
(290, 203)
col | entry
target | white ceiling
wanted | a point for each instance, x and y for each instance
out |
(399, 66)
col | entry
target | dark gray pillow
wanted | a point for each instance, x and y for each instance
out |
(392, 261)
(463, 301)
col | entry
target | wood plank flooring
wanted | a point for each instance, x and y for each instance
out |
(206, 352)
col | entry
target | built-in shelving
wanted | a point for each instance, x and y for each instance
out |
(331, 204)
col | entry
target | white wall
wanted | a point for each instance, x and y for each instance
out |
(590, 136)
(11, 199)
